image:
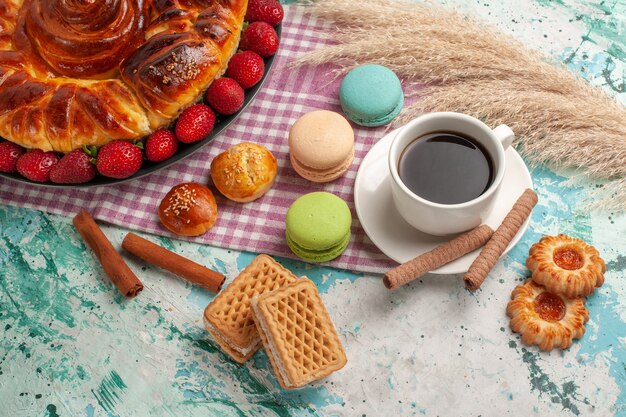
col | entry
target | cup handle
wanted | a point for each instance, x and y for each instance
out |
(505, 135)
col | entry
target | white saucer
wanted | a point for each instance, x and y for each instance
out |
(400, 241)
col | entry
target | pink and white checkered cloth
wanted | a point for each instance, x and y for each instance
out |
(258, 226)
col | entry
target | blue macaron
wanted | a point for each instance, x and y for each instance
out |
(371, 95)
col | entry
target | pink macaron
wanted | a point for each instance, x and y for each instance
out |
(321, 146)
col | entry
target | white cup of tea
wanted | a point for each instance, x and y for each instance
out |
(446, 169)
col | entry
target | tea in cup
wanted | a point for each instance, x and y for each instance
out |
(446, 169)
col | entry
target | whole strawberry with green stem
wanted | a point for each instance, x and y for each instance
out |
(225, 96)
(270, 11)
(75, 167)
(119, 159)
(195, 123)
(9, 154)
(161, 145)
(36, 164)
(246, 68)
(259, 37)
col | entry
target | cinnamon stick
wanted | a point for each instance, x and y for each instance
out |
(441, 255)
(112, 263)
(179, 265)
(501, 238)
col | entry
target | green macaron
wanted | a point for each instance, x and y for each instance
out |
(318, 226)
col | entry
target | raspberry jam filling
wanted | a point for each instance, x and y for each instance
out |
(550, 307)
(568, 258)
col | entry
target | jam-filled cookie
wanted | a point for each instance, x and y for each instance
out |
(546, 319)
(565, 265)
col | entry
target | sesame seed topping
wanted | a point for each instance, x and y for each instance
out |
(184, 67)
(181, 200)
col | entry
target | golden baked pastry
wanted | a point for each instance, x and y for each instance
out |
(76, 73)
(565, 265)
(189, 209)
(244, 172)
(545, 319)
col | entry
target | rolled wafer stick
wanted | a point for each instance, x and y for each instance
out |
(441, 255)
(179, 265)
(501, 238)
(112, 263)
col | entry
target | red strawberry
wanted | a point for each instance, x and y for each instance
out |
(225, 95)
(73, 168)
(118, 159)
(161, 145)
(9, 154)
(36, 165)
(259, 37)
(246, 68)
(269, 11)
(195, 123)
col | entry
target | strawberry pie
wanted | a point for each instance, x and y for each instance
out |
(87, 72)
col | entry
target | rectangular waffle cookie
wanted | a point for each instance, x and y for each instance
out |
(228, 317)
(297, 334)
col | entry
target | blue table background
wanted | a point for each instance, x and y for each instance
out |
(71, 345)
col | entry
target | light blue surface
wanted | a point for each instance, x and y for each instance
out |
(371, 95)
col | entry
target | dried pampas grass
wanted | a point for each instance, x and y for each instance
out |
(457, 64)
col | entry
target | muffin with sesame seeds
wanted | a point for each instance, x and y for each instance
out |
(244, 172)
(189, 209)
